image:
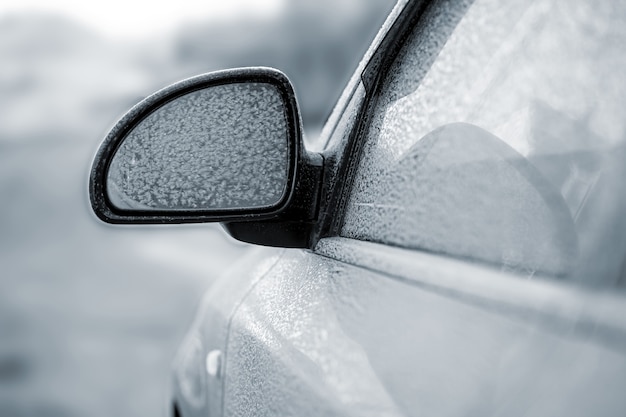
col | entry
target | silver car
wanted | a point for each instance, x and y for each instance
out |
(456, 246)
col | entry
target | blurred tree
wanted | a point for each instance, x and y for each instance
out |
(317, 44)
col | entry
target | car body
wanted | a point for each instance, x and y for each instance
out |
(462, 246)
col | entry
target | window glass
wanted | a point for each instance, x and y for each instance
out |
(504, 142)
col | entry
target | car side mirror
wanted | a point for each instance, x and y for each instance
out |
(219, 147)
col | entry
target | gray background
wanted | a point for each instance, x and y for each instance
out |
(91, 314)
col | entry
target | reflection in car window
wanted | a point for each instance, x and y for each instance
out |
(531, 180)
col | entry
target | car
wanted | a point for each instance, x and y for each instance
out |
(457, 246)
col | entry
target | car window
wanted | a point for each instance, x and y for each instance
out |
(503, 143)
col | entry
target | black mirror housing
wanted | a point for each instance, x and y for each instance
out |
(285, 220)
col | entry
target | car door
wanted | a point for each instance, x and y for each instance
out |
(473, 262)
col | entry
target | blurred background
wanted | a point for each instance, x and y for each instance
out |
(91, 314)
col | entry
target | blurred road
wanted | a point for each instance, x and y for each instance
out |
(90, 315)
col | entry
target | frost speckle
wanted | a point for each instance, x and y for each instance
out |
(223, 147)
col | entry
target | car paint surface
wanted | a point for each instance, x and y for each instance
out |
(194, 390)
(327, 333)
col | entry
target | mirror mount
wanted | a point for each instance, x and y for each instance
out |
(286, 222)
(295, 227)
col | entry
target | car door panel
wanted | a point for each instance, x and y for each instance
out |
(327, 333)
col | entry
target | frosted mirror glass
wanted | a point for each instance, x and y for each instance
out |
(224, 147)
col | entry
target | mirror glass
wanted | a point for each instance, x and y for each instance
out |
(223, 147)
